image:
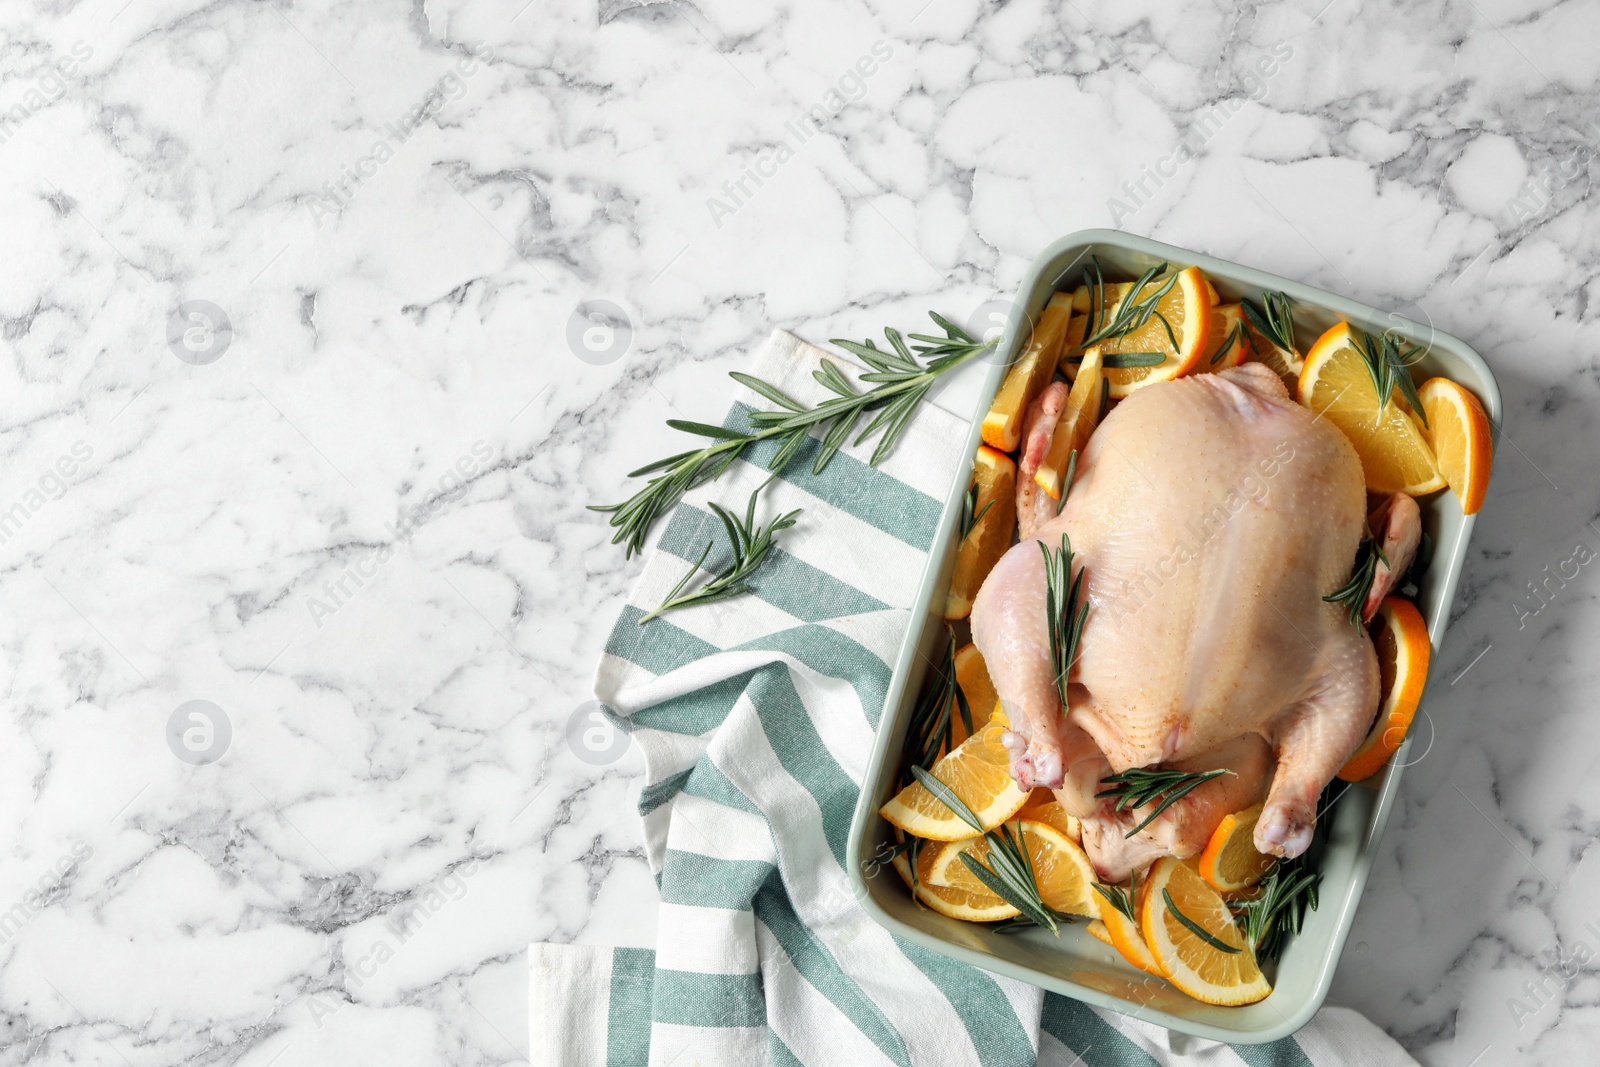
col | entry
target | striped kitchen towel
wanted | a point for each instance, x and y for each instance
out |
(756, 717)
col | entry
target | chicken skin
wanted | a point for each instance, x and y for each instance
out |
(1210, 515)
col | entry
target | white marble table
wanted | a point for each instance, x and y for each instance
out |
(352, 518)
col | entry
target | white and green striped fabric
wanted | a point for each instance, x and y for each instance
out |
(756, 717)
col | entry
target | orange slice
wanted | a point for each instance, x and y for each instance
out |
(1051, 814)
(1395, 455)
(1403, 654)
(1458, 429)
(1227, 976)
(1230, 861)
(1186, 308)
(1229, 343)
(979, 771)
(1060, 869)
(980, 907)
(995, 476)
(972, 675)
(1002, 426)
(1078, 420)
(1097, 930)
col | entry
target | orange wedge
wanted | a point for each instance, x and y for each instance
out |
(1051, 814)
(979, 771)
(1002, 426)
(1060, 869)
(980, 907)
(1179, 901)
(1230, 861)
(1186, 308)
(972, 675)
(1458, 429)
(1123, 934)
(1097, 930)
(1395, 454)
(1229, 344)
(995, 476)
(1078, 420)
(1404, 651)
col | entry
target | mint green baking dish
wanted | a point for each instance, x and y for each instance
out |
(1075, 964)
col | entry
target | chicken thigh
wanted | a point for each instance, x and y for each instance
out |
(1210, 515)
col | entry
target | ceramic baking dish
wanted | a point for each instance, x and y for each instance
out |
(1076, 964)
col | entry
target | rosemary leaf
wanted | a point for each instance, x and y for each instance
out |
(1228, 342)
(1123, 360)
(1195, 928)
(946, 796)
(1072, 466)
(704, 429)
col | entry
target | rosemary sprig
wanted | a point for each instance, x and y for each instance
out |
(970, 515)
(1124, 900)
(749, 544)
(1195, 928)
(1352, 595)
(1273, 319)
(1063, 611)
(1130, 315)
(1388, 370)
(1279, 911)
(900, 383)
(1009, 872)
(1138, 786)
(932, 730)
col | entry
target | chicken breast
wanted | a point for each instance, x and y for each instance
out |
(1210, 514)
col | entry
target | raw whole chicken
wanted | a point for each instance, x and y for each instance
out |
(1210, 515)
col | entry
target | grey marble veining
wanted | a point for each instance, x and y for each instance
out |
(351, 518)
